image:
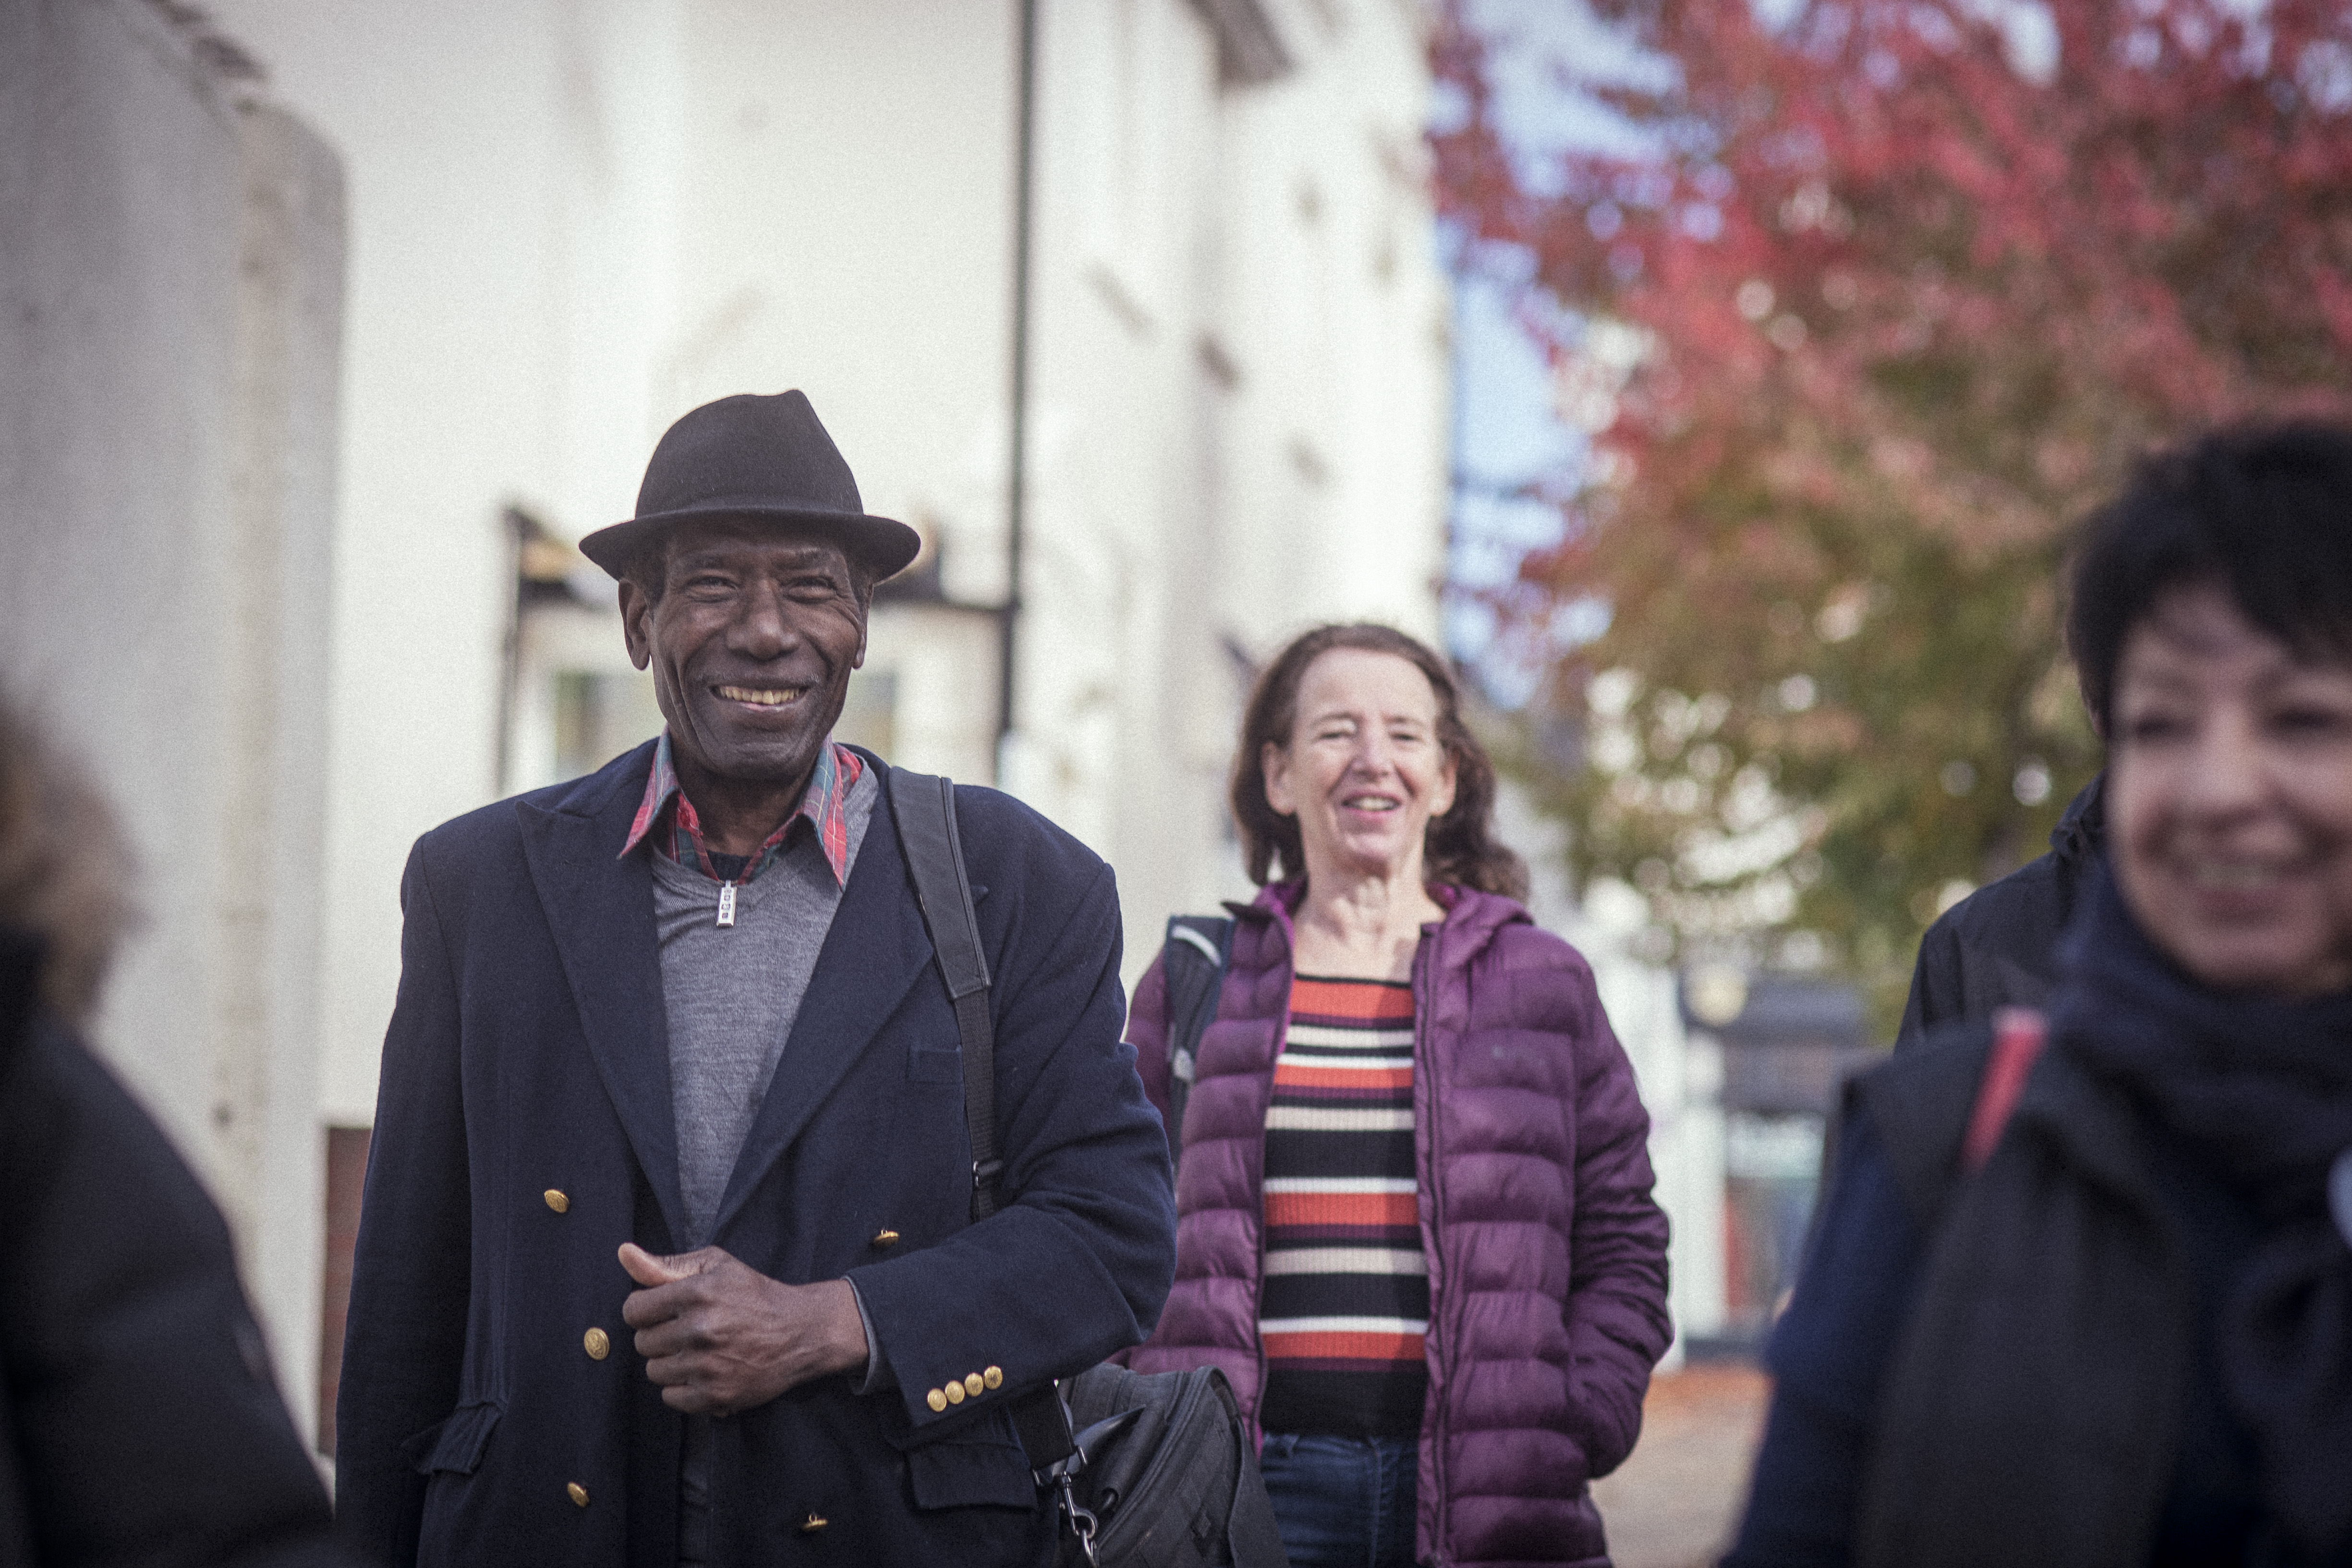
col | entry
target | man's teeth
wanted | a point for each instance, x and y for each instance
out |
(765, 696)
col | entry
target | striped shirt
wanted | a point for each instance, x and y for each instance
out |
(1345, 1302)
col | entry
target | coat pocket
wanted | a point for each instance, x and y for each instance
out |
(456, 1445)
(980, 1464)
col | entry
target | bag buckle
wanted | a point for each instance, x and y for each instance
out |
(1080, 1518)
(1063, 1476)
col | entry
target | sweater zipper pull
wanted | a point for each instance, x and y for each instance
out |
(726, 905)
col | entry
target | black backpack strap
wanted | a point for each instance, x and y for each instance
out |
(923, 805)
(1192, 961)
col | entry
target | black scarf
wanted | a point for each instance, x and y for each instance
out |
(2263, 1091)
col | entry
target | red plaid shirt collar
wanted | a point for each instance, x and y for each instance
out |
(838, 768)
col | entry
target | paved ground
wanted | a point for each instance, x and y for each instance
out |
(1674, 1503)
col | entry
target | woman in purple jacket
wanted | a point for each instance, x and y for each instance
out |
(1414, 1223)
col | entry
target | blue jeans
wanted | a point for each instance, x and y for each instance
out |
(1342, 1502)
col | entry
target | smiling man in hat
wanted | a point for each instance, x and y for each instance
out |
(667, 1253)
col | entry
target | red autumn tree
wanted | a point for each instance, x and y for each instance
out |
(1879, 312)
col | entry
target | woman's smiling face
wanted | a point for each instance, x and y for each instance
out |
(1364, 771)
(2230, 798)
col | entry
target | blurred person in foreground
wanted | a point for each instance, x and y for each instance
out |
(1414, 1220)
(667, 1251)
(2120, 1332)
(139, 1419)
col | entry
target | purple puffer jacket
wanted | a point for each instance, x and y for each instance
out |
(1547, 1258)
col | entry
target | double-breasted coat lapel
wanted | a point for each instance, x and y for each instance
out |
(600, 908)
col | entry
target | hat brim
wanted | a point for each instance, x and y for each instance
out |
(882, 543)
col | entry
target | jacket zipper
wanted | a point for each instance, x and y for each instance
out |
(1435, 1345)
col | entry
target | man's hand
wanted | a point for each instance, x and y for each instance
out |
(720, 1337)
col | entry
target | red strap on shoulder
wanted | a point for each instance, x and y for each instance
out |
(2017, 1036)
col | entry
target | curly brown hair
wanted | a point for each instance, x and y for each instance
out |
(1458, 848)
(62, 866)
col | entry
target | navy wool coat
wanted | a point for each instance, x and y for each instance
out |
(523, 1132)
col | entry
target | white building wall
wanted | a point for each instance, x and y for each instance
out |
(171, 276)
(1241, 407)
(843, 225)
(509, 283)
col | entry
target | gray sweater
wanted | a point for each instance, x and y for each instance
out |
(731, 993)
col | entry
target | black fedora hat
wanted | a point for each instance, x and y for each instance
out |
(762, 458)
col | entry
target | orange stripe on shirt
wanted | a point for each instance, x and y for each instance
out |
(1290, 1074)
(1343, 1347)
(1351, 999)
(1341, 1209)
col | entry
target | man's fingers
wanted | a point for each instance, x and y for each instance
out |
(648, 1269)
(683, 1386)
(687, 1400)
(668, 1336)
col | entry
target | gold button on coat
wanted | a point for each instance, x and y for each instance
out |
(954, 1392)
(994, 1377)
(884, 1239)
(814, 1523)
(577, 1493)
(974, 1383)
(597, 1343)
(937, 1399)
(556, 1200)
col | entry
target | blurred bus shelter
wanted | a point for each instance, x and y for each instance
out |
(1779, 1047)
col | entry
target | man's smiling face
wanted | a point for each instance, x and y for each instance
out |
(751, 643)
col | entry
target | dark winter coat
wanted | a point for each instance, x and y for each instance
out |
(1547, 1256)
(139, 1421)
(527, 1058)
(1998, 946)
(2124, 1339)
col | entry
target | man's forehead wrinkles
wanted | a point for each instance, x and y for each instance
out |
(771, 553)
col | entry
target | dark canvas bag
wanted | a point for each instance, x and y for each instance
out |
(1159, 1471)
(1172, 1477)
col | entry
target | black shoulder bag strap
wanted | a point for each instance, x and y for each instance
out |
(923, 804)
(1192, 961)
(923, 807)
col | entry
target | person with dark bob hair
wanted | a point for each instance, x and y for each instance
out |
(1415, 1225)
(2082, 1290)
